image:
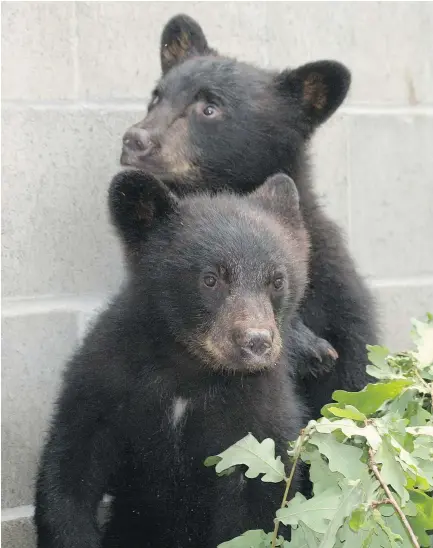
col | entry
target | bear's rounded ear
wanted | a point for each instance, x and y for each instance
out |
(181, 38)
(279, 195)
(136, 201)
(319, 88)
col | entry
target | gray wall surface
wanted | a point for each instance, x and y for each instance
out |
(75, 75)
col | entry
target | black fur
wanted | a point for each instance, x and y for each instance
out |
(259, 123)
(129, 210)
(166, 341)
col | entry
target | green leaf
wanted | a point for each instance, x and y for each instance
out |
(358, 518)
(361, 538)
(423, 447)
(391, 471)
(370, 541)
(227, 472)
(392, 537)
(250, 539)
(342, 458)
(315, 513)
(423, 453)
(351, 498)
(258, 539)
(373, 396)
(401, 403)
(418, 328)
(349, 429)
(423, 519)
(427, 373)
(379, 367)
(320, 474)
(422, 431)
(406, 460)
(424, 343)
(348, 412)
(416, 414)
(212, 461)
(302, 537)
(393, 522)
(258, 457)
(378, 355)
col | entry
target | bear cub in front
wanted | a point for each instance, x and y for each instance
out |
(192, 355)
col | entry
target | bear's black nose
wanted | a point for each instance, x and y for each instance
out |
(137, 140)
(256, 342)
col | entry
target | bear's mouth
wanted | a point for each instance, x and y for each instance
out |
(145, 160)
(244, 367)
(251, 367)
(238, 361)
(230, 360)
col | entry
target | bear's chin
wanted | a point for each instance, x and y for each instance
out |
(242, 366)
(146, 163)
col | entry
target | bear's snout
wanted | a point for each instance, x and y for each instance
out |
(137, 144)
(254, 342)
(251, 343)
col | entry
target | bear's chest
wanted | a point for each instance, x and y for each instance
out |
(178, 431)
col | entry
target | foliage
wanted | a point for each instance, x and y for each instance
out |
(370, 457)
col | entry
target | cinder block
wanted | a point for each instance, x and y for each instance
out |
(118, 46)
(56, 168)
(384, 44)
(236, 29)
(34, 351)
(328, 160)
(37, 61)
(18, 533)
(396, 307)
(391, 177)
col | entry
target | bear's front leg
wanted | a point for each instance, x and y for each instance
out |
(311, 355)
(243, 504)
(77, 461)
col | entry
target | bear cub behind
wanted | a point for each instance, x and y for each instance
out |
(215, 123)
(194, 353)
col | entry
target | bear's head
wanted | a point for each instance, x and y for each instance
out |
(221, 273)
(216, 120)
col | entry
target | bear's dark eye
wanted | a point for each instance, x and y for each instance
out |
(210, 110)
(278, 283)
(209, 280)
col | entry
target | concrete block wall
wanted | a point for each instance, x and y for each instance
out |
(75, 75)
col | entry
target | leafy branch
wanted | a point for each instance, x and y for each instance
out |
(297, 454)
(391, 499)
(370, 459)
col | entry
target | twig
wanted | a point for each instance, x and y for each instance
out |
(288, 483)
(377, 503)
(373, 466)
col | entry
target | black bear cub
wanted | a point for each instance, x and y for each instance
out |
(215, 123)
(194, 353)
